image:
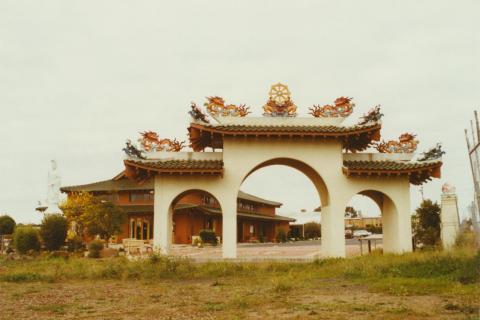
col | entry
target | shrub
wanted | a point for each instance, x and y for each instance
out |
(281, 235)
(261, 238)
(26, 238)
(208, 236)
(94, 248)
(374, 229)
(7, 225)
(53, 231)
(465, 239)
(312, 230)
(74, 243)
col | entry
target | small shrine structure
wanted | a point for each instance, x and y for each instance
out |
(449, 217)
(228, 146)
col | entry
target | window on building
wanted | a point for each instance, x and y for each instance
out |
(208, 223)
(140, 196)
(209, 201)
(246, 206)
(132, 228)
(141, 229)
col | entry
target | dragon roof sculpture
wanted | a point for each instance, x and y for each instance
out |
(406, 144)
(216, 107)
(343, 107)
(150, 141)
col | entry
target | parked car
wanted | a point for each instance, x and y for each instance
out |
(361, 233)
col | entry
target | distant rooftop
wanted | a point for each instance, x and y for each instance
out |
(120, 183)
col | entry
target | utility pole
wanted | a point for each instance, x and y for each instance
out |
(473, 149)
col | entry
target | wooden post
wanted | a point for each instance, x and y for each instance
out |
(369, 246)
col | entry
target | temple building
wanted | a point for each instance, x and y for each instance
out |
(256, 217)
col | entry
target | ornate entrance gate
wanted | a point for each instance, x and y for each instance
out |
(320, 146)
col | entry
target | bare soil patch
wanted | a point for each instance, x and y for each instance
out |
(220, 299)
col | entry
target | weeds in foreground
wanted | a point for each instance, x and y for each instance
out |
(456, 272)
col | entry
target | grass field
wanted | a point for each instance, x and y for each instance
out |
(428, 285)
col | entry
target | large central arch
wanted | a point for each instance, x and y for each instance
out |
(301, 166)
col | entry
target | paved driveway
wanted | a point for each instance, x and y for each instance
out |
(299, 250)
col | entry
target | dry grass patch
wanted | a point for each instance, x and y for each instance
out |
(432, 285)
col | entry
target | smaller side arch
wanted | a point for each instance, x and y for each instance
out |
(191, 211)
(391, 222)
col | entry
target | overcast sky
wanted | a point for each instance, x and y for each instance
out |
(79, 77)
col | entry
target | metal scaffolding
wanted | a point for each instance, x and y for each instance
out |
(473, 150)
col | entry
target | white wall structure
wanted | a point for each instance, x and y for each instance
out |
(315, 146)
(449, 217)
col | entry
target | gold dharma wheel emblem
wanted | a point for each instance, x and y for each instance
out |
(279, 93)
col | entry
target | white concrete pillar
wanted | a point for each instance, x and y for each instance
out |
(229, 218)
(333, 231)
(162, 219)
(396, 222)
(449, 220)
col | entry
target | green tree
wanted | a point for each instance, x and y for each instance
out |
(93, 215)
(7, 225)
(312, 230)
(53, 231)
(351, 212)
(104, 219)
(26, 238)
(75, 208)
(426, 223)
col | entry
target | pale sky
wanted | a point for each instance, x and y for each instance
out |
(77, 78)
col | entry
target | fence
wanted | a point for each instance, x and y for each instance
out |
(473, 150)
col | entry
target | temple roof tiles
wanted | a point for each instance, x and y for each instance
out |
(288, 128)
(389, 165)
(418, 172)
(354, 137)
(109, 185)
(144, 169)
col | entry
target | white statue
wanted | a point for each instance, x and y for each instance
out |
(447, 188)
(53, 189)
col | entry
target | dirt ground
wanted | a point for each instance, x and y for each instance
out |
(222, 299)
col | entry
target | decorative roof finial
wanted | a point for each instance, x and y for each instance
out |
(197, 114)
(434, 153)
(279, 103)
(374, 115)
(132, 151)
